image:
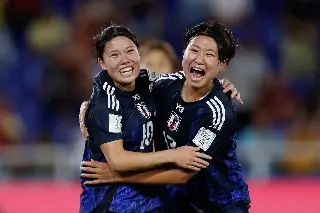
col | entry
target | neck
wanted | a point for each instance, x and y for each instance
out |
(191, 94)
(126, 87)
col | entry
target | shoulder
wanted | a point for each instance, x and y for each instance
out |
(104, 101)
(220, 110)
(149, 75)
(218, 98)
(166, 80)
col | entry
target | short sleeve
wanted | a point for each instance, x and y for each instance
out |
(164, 81)
(104, 121)
(153, 75)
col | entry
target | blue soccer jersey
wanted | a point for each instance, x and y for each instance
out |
(114, 114)
(210, 124)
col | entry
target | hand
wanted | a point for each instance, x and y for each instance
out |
(99, 171)
(189, 157)
(83, 109)
(228, 86)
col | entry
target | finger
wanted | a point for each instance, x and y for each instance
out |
(84, 105)
(193, 168)
(199, 165)
(92, 164)
(224, 82)
(230, 87)
(91, 170)
(194, 148)
(83, 127)
(203, 156)
(238, 98)
(82, 113)
(84, 132)
(83, 109)
(93, 182)
(93, 176)
(234, 93)
(201, 162)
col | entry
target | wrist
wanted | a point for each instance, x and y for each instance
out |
(119, 178)
(170, 154)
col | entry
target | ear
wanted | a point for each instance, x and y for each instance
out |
(102, 64)
(222, 66)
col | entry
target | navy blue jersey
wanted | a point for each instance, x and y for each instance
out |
(210, 124)
(114, 114)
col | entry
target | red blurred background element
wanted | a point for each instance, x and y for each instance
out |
(276, 196)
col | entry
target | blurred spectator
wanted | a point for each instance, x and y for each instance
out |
(158, 56)
(261, 143)
(19, 13)
(233, 10)
(47, 33)
(303, 144)
(299, 50)
(249, 70)
(11, 125)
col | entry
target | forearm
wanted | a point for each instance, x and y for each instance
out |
(161, 176)
(135, 161)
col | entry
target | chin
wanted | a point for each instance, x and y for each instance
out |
(129, 78)
(196, 84)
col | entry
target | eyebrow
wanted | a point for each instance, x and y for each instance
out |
(131, 46)
(113, 51)
(208, 49)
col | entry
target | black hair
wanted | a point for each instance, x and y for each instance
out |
(224, 38)
(108, 33)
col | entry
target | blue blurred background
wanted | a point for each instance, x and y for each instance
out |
(47, 68)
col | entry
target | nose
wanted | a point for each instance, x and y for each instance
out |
(125, 59)
(199, 59)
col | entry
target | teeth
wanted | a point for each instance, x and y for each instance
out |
(198, 69)
(195, 77)
(126, 69)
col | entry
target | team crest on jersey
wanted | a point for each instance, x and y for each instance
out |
(174, 121)
(143, 109)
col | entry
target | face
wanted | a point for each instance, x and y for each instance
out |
(201, 62)
(157, 61)
(121, 59)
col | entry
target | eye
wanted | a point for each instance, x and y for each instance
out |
(210, 55)
(193, 50)
(130, 50)
(114, 55)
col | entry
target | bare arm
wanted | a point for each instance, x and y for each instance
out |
(121, 160)
(102, 173)
(172, 176)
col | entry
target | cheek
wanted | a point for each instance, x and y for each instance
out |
(212, 66)
(112, 64)
(135, 58)
(185, 62)
(189, 57)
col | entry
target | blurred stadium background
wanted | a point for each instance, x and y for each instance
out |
(47, 67)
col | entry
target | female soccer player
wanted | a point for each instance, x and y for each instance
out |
(120, 125)
(198, 113)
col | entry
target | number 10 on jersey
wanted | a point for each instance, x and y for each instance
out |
(147, 134)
